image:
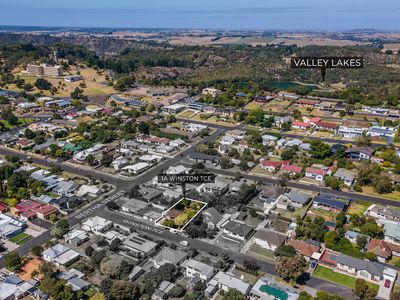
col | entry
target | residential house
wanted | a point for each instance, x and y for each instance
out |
(306, 103)
(383, 214)
(392, 232)
(316, 174)
(270, 166)
(386, 132)
(119, 162)
(381, 249)
(305, 248)
(12, 287)
(141, 247)
(347, 176)
(178, 143)
(136, 168)
(352, 236)
(90, 190)
(76, 237)
(269, 240)
(97, 225)
(195, 268)
(326, 125)
(219, 187)
(74, 279)
(364, 153)
(10, 226)
(60, 255)
(237, 230)
(225, 282)
(364, 269)
(292, 170)
(203, 158)
(298, 198)
(330, 203)
(351, 132)
(64, 188)
(301, 125)
(211, 217)
(268, 139)
(168, 256)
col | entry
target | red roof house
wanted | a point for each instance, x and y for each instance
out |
(301, 125)
(292, 169)
(270, 166)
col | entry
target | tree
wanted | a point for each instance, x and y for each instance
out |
(395, 295)
(114, 266)
(319, 149)
(332, 182)
(61, 228)
(97, 256)
(285, 250)
(124, 290)
(8, 116)
(233, 294)
(383, 185)
(143, 127)
(106, 160)
(291, 268)
(12, 261)
(361, 241)
(43, 84)
(98, 296)
(331, 238)
(304, 296)
(37, 250)
(363, 291)
(89, 251)
(177, 292)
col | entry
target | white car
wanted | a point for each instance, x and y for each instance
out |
(184, 243)
(174, 231)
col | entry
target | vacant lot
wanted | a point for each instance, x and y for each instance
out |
(358, 207)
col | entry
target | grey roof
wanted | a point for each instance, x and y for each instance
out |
(238, 228)
(168, 255)
(202, 156)
(371, 267)
(345, 174)
(200, 267)
(212, 214)
(298, 197)
(386, 211)
(78, 283)
(273, 238)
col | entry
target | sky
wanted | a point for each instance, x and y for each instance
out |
(327, 15)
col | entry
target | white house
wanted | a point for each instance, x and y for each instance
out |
(97, 225)
(269, 240)
(199, 269)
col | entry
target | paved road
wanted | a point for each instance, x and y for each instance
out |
(162, 234)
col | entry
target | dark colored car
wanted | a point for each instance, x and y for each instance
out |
(387, 283)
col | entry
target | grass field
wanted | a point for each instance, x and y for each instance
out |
(186, 114)
(339, 278)
(395, 195)
(95, 83)
(260, 253)
(358, 207)
(20, 239)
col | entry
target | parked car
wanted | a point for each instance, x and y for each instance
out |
(184, 243)
(387, 283)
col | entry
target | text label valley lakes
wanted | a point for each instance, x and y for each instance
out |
(326, 62)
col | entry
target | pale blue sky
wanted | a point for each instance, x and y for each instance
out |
(224, 14)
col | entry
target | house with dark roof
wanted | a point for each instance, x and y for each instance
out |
(330, 202)
(269, 240)
(211, 217)
(298, 198)
(237, 230)
(367, 270)
(360, 153)
(203, 158)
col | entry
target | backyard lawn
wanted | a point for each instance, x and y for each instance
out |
(339, 278)
(20, 239)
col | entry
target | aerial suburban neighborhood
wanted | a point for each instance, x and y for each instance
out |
(195, 164)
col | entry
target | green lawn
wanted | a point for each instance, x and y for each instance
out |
(339, 278)
(20, 239)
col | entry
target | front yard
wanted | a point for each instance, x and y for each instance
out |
(20, 239)
(339, 278)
